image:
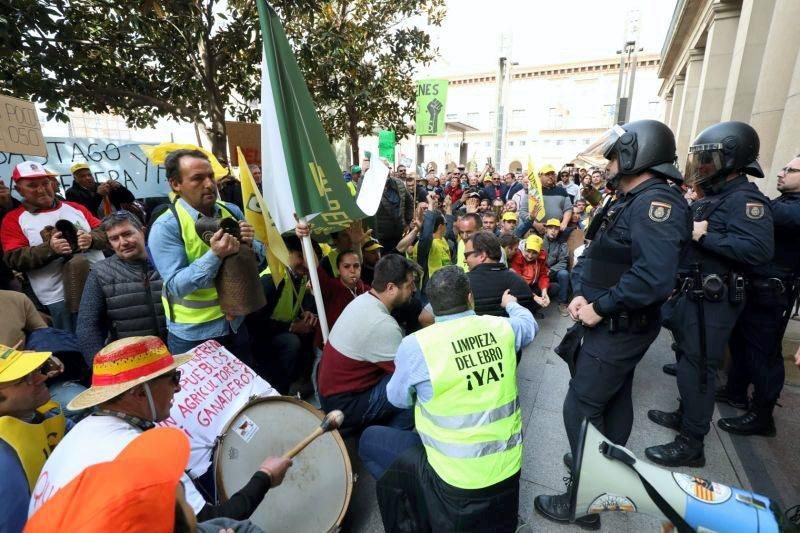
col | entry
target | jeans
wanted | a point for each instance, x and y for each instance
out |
(62, 319)
(380, 446)
(367, 408)
(237, 343)
(560, 286)
(280, 363)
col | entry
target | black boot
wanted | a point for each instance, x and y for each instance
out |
(670, 369)
(668, 419)
(568, 461)
(722, 395)
(683, 451)
(756, 421)
(557, 509)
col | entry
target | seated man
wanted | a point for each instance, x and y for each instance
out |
(358, 358)
(460, 471)
(20, 318)
(531, 264)
(133, 383)
(31, 425)
(122, 295)
(557, 262)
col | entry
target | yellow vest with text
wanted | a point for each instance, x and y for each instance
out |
(288, 306)
(33, 443)
(460, 259)
(472, 426)
(202, 305)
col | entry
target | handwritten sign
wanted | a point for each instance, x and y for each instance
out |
(215, 385)
(108, 159)
(20, 130)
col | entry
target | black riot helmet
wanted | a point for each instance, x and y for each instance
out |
(720, 150)
(637, 146)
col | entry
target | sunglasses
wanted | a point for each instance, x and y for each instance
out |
(174, 377)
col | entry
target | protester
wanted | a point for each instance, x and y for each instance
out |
(146, 493)
(395, 212)
(433, 250)
(31, 425)
(531, 264)
(512, 187)
(489, 223)
(371, 252)
(489, 278)
(255, 171)
(468, 225)
(31, 244)
(557, 262)
(133, 384)
(355, 366)
(509, 222)
(438, 479)
(122, 295)
(566, 183)
(454, 190)
(355, 180)
(495, 188)
(99, 198)
(188, 265)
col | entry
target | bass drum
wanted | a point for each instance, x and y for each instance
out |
(316, 491)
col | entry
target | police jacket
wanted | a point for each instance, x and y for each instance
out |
(740, 232)
(786, 218)
(633, 258)
(488, 282)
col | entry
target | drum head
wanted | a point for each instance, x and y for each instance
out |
(316, 491)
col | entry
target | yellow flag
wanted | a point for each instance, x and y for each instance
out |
(257, 214)
(535, 198)
(158, 154)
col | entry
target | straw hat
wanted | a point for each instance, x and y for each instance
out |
(122, 365)
(135, 492)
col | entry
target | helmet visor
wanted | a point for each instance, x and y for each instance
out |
(597, 154)
(704, 163)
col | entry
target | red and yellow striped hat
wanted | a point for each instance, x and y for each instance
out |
(122, 365)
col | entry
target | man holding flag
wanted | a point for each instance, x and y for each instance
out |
(188, 265)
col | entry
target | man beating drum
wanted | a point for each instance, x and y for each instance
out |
(133, 383)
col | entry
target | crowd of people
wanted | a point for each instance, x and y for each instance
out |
(430, 304)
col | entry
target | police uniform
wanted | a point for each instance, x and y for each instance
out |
(711, 286)
(756, 340)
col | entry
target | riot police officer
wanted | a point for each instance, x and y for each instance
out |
(622, 279)
(756, 340)
(732, 235)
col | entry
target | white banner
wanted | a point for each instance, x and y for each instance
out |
(215, 385)
(122, 161)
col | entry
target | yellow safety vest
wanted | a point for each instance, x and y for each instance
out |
(202, 305)
(33, 443)
(288, 306)
(438, 256)
(460, 259)
(472, 426)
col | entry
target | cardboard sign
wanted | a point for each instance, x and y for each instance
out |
(20, 130)
(108, 159)
(215, 385)
(248, 137)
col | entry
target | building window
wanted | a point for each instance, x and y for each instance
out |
(522, 143)
(511, 143)
(473, 118)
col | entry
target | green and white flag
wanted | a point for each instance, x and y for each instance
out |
(300, 172)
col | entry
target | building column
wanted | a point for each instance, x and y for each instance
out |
(677, 101)
(751, 38)
(667, 108)
(787, 145)
(683, 128)
(775, 77)
(716, 67)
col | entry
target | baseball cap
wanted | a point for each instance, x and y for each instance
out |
(15, 364)
(78, 166)
(134, 492)
(488, 177)
(547, 169)
(553, 222)
(355, 169)
(533, 243)
(29, 170)
(372, 245)
(510, 216)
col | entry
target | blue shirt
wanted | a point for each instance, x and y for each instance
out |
(411, 375)
(182, 278)
(14, 491)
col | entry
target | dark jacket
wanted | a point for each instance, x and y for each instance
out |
(395, 211)
(120, 299)
(491, 192)
(489, 281)
(511, 191)
(93, 201)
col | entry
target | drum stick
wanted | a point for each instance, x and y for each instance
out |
(332, 420)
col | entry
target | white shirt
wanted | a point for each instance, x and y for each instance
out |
(95, 439)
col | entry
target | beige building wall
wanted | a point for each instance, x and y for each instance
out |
(735, 60)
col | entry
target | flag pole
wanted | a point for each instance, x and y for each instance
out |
(311, 261)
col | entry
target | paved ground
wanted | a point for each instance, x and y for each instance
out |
(767, 466)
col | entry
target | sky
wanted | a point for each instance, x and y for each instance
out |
(542, 31)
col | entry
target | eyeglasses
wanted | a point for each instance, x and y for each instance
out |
(789, 170)
(467, 254)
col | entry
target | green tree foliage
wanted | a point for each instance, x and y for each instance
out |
(199, 60)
